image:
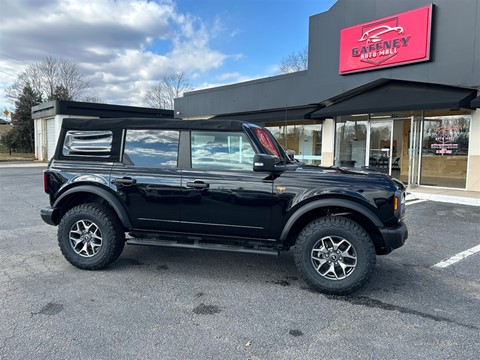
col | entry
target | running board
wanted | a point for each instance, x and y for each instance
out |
(197, 245)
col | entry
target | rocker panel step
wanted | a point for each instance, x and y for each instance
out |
(197, 245)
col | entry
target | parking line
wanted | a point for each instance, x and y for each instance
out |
(415, 201)
(456, 258)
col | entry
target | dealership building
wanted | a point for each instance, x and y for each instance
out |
(390, 84)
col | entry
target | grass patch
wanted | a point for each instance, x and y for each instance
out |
(16, 156)
(4, 156)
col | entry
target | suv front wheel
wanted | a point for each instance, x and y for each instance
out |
(90, 236)
(334, 255)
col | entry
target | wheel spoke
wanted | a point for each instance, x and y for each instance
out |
(95, 247)
(76, 241)
(320, 261)
(84, 249)
(78, 231)
(330, 270)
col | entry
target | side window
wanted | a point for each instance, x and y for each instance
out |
(88, 143)
(221, 151)
(151, 148)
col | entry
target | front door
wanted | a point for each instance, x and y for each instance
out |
(222, 195)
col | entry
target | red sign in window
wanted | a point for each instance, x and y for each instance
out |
(395, 40)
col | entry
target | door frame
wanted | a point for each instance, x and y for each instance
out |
(415, 151)
(391, 122)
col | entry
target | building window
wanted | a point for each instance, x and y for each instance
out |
(351, 141)
(437, 157)
(302, 138)
(445, 150)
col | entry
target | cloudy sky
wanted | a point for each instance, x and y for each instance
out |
(123, 47)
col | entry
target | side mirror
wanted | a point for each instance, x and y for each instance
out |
(264, 162)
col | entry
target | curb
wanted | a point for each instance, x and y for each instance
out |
(21, 164)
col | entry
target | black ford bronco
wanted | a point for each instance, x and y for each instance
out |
(218, 185)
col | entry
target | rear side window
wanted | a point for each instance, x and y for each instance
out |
(88, 143)
(151, 148)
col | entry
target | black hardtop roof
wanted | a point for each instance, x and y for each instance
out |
(149, 123)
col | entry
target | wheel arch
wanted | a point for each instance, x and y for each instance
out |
(88, 193)
(364, 216)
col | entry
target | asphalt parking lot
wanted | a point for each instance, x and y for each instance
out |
(156, 303)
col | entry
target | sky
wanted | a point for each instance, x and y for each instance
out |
(124, 47)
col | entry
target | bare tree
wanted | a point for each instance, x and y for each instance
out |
(162, 94)
(296, 61)
(54, 79)
(93, 99)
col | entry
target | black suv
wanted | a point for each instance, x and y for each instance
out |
(218, 185)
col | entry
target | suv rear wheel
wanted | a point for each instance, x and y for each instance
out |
(90, 236)
(334, 255)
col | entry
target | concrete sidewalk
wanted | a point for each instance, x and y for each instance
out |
(455, 196)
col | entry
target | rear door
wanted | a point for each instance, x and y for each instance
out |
(222, 193)
(148, 180)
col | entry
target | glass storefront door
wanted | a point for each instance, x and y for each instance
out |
(381, 149)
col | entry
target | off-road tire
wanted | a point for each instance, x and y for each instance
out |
(336, 227)
(105, 222)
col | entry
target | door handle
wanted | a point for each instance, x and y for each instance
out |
(125, 181)
(198, 185)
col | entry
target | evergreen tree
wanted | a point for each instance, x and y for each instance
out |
(23, 133)
(60, 93)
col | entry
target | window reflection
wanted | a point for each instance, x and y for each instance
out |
(151, 148)
(221, 151)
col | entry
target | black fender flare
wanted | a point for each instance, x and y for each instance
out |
(368, 213)
(104, 194)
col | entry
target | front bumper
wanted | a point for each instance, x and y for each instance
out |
(50, 215)
(394, 237)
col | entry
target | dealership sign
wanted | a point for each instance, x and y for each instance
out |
(394, 40)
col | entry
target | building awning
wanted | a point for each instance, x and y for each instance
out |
(397, 95)
(475, 102)
(272, 115)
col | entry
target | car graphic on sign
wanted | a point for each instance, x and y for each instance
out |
(374, 35)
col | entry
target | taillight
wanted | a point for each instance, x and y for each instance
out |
(45, 182)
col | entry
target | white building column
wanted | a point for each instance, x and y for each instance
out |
(473, 169)
(328, 142)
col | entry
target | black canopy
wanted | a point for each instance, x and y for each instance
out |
(396, 95)
(475, 102)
